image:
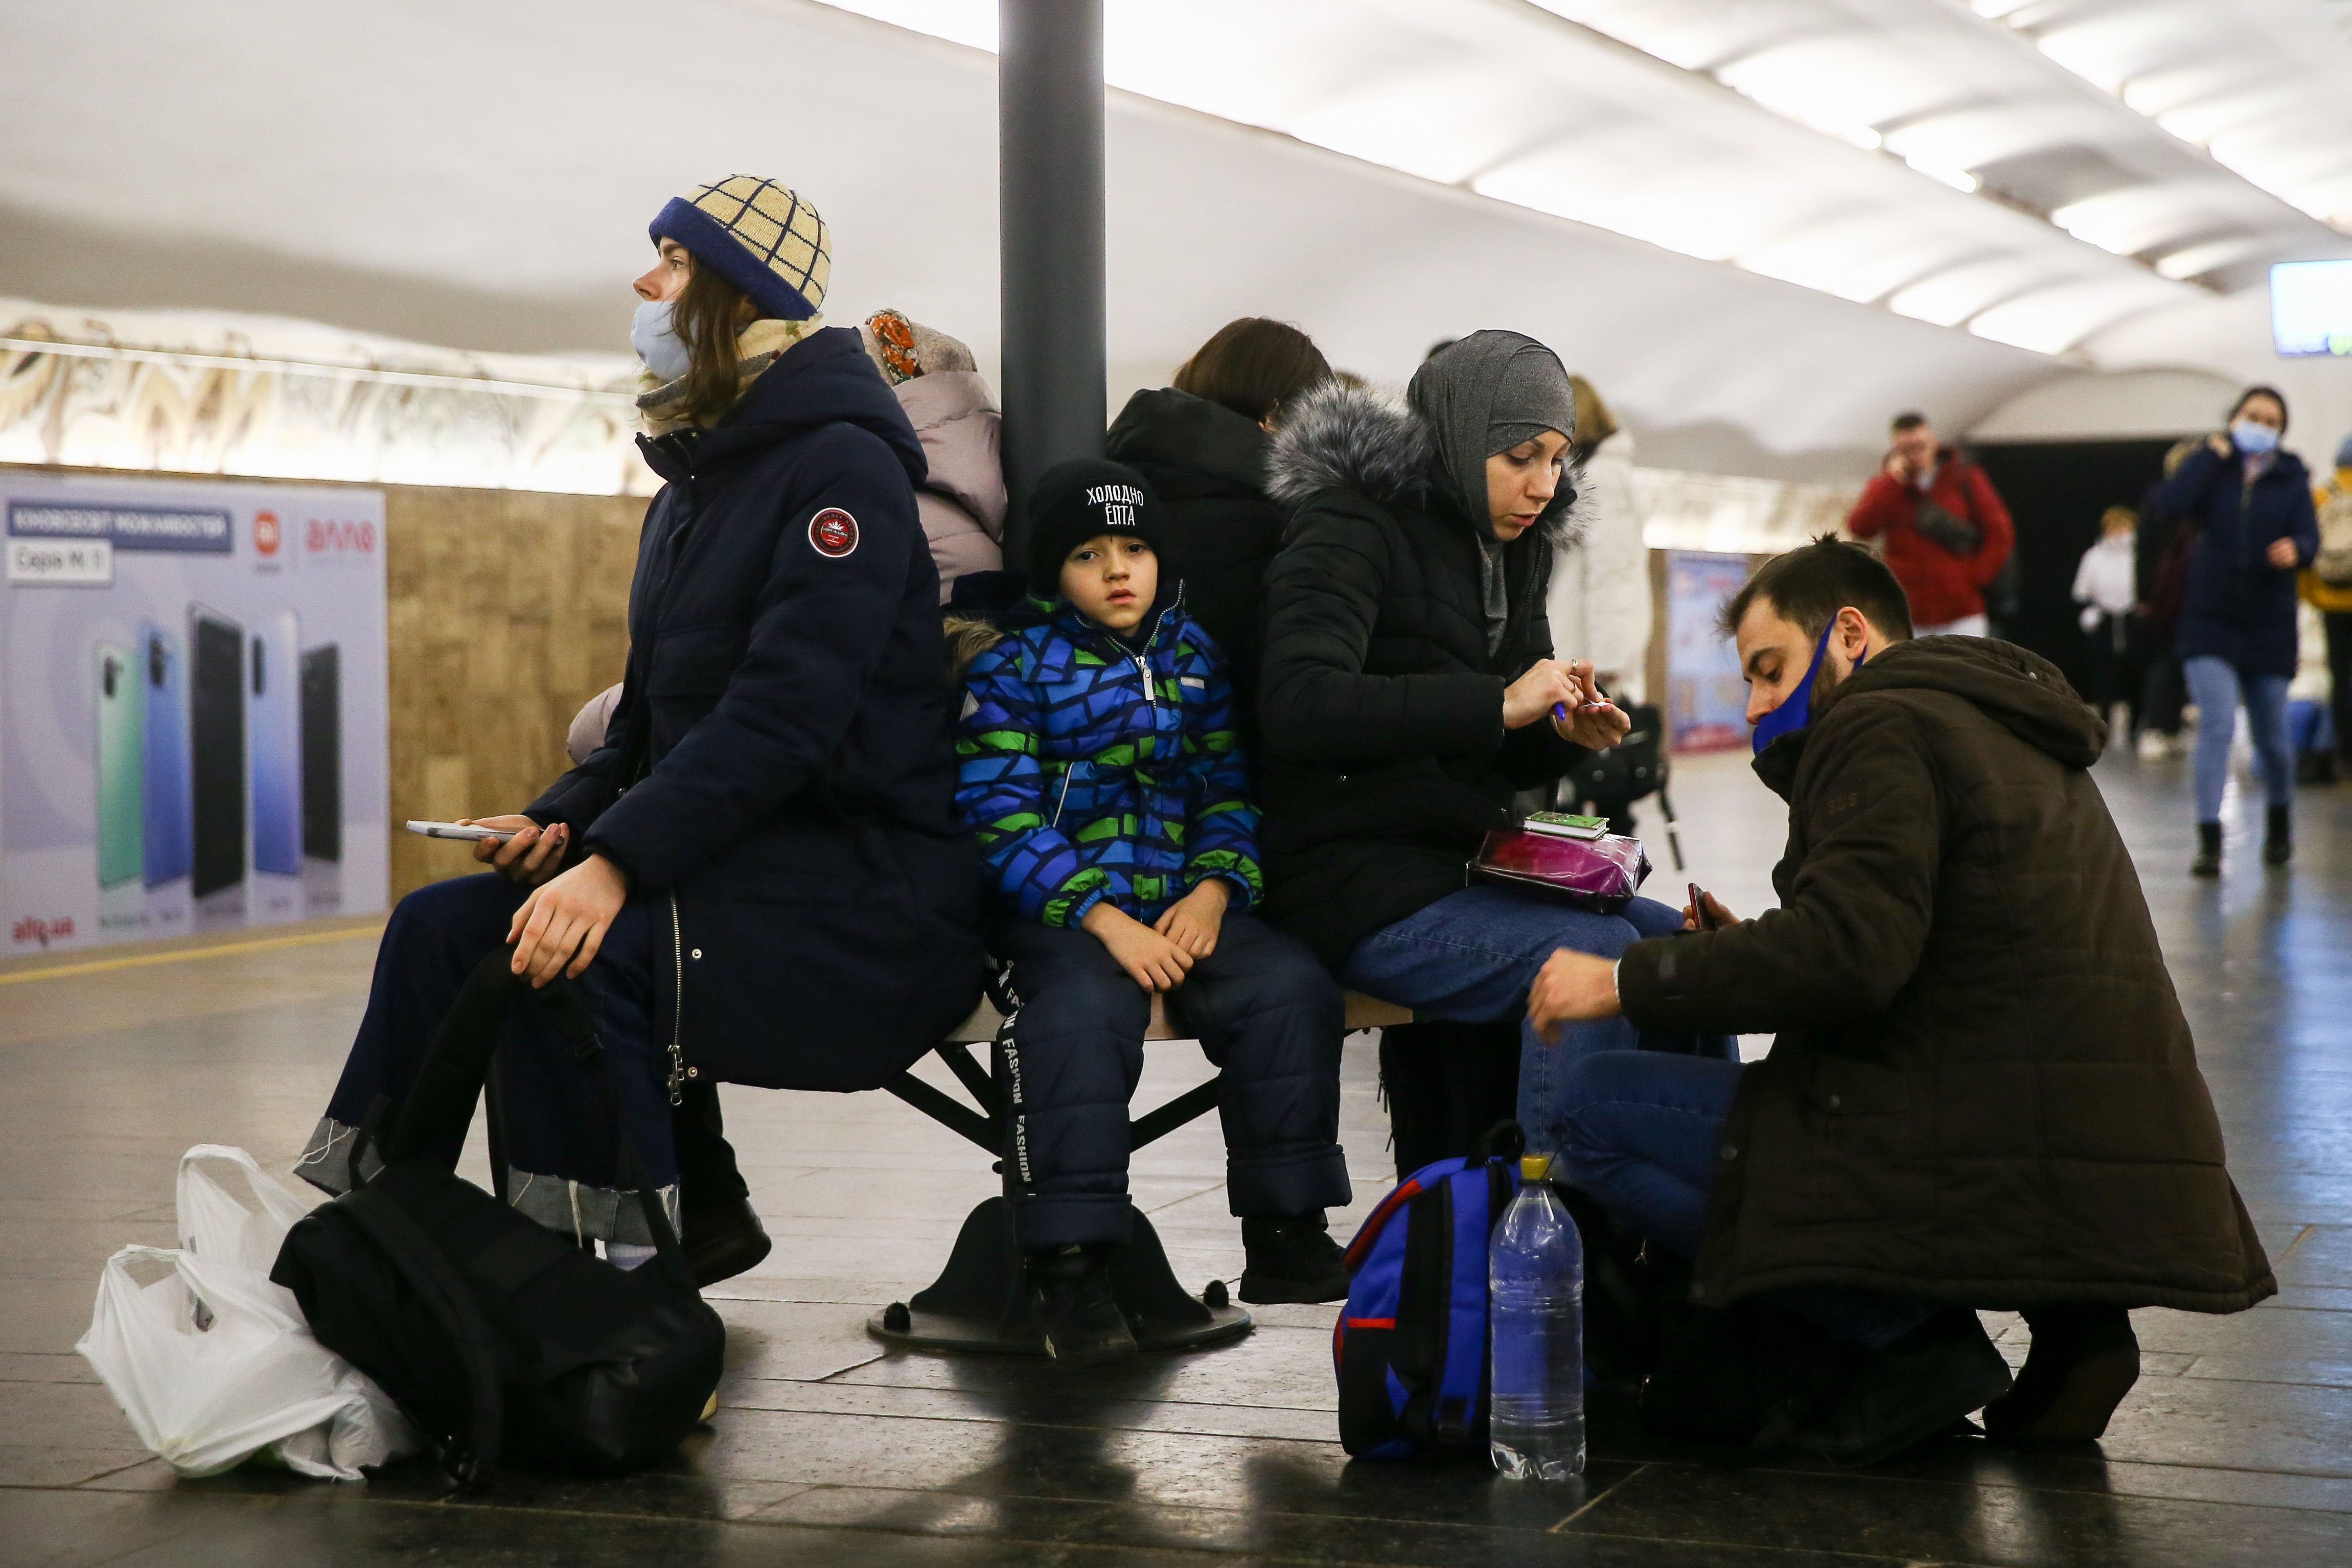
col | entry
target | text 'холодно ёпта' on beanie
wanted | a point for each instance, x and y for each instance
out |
(758, 235)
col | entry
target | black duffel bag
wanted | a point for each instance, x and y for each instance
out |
(501, 1340)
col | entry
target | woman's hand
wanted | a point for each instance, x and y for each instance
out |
(567, 920)
(1596, 726)
(1717, 917)
(2220, 445)
(1151, 959)
(2284, 555)
(1192, 921)
(530, 857)
(1571, 988)
(1531, 696)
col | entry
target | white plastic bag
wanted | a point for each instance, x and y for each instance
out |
(212, 1363)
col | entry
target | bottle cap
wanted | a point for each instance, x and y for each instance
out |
(1534, 1167)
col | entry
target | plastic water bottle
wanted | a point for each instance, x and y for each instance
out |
(1536, 1275)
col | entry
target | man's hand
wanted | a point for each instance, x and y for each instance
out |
(1571, 988)
(1192, 921)
(566, 920)
(529, 858)
(2283, 554)
(1595, 728)
(1151, 959)
(1898, 469)
(1533, 695)
(1717, 917)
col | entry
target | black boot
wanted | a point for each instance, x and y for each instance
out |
(1083, 1326)
(1924, 1383)
(2209, 850)
(1292, 1260)
(2082, 1363)
(2278, 836)
(723, 1240)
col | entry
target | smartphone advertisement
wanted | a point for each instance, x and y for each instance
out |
(193, 723)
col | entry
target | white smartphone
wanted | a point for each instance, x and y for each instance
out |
(459, 830)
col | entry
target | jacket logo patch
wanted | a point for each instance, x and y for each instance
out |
(833, 533)
(1837, 805)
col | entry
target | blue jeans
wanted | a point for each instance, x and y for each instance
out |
(2217, 689)
(1471, 957)
(1643, 1133)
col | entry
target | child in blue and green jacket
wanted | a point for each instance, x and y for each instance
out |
(1097, 764)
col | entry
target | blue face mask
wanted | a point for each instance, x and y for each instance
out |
(656, 342)
(1796, 710)
(2251, 438)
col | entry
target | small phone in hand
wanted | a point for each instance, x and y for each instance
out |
(461, 830)
(1698, 907)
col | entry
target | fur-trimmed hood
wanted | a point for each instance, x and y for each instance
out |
(1342, 437)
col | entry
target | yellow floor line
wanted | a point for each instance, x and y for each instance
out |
(140, 961)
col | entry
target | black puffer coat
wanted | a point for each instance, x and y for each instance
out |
(1386, 758)
(781, 720)
(1207, 465)
(1983, 1090)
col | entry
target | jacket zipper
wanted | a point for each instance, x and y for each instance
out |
(1063, 796)
(677, 1008)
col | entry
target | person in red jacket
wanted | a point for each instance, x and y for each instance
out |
(1947, 531)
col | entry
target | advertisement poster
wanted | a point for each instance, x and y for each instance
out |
(1707, 702)
(193, 719)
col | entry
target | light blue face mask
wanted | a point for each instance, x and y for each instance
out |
(656, 342)
(2251, 438)
(1796, 710)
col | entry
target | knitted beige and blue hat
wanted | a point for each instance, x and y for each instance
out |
(760, 237)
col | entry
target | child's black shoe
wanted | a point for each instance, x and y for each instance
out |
(1292, 1260)
(1083, 1323)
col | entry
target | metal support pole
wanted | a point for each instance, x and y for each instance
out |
(1049, 116)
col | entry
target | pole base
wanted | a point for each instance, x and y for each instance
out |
(980, 1301)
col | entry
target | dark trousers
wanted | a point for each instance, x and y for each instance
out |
(1446, 1084)
(2339, 671)
(1263, 1010)
(562, 1159)
(2118, 666)
(2164, 692)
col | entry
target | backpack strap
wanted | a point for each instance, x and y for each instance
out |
(472, 1456)
(439, 1104)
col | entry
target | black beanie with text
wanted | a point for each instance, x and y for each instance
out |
(1074, 501)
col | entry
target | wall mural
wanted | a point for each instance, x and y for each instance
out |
(64, 399)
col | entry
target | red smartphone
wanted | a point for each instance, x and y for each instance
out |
(1698, 907)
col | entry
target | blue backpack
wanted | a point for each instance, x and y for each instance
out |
(1411, 1347)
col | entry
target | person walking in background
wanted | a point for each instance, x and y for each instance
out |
(2106, 584)
(2326, 586)
(2163, 694)
(1946, 530)
(1201, 443)
(2249, 526)
(1599, 601)
(948, 400)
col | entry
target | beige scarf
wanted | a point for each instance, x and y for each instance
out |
(661, 404)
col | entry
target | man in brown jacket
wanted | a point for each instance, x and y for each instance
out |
(1982, 1093)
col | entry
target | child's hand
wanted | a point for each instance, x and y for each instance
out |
(1192, 921)
(1149, 959)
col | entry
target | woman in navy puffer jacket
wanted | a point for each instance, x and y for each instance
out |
(757, 878)
(2248, 527)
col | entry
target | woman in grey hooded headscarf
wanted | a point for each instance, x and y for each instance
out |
(1408, 690)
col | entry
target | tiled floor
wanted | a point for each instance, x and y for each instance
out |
(2236, 1448)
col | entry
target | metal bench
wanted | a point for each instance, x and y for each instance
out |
(981, 1299)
